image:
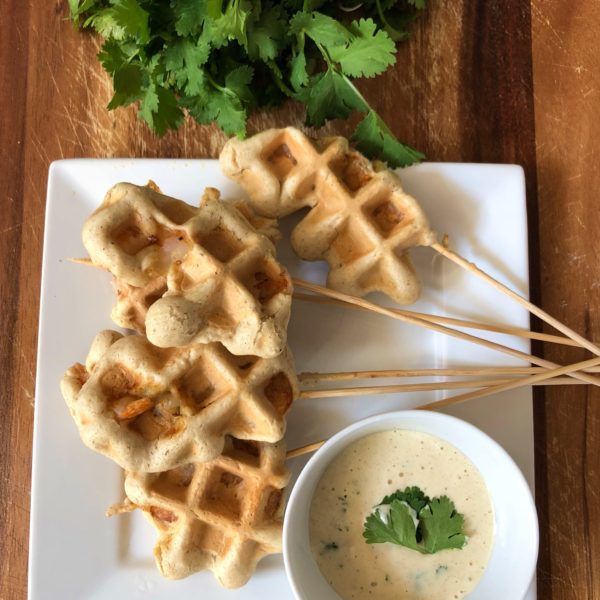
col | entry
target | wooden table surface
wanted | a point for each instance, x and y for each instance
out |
(507, 81)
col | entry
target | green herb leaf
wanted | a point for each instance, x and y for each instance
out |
(319, 27)
(373, 138)
(413, 496)
(230, 116)
(328, 96)
(130, 16)
(238, 82)
(159, 109)
(231, 25)
(221, 104)
(184, 59)
(435, 526)
(128, 82)
(78, 7)
(442, 526)
(399, 527)
(298, 74)
(112, 56)
(368, 53)
(267, 35)
(394, 19)
(223, 60)
(105, 23)
(191, 14)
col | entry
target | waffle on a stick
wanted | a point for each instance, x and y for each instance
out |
(151, 409)
(360, 219)
(187, 275)
(223, 515)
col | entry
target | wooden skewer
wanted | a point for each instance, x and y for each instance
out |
(540, 362)
(572, 339)
(503, 329)
(521, 382)
(426, 387)
(313, 378)
(121, 508)
(87, 262)
(532, 308)
(592, 362)
(304, 449)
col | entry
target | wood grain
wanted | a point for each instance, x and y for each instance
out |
(15, 391)
(499, 81)
(567, 86)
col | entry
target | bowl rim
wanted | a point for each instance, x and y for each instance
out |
(325, 453)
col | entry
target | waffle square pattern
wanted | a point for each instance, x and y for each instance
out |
(188, 275)
(360, 219)
(153, 409)
(223, 515)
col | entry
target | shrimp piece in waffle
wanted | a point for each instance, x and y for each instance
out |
(187, 275)
(151, 409)
(223, 515)
(361, 221)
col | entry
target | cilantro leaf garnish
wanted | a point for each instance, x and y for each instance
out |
(399, 527)
(413, 496)
(417, 522)
(221, 60)
(442, 526)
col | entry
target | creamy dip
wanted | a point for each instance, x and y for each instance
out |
(357, 480)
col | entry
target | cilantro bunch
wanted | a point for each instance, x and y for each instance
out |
(417, 522)
(221, 60)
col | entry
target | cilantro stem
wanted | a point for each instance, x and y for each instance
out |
(358, 94)
(279, 80)
(393, 32)
(381, 122)
(366, 107)
(218, 87)
(325, 54)
(332, 65)
(381, 13)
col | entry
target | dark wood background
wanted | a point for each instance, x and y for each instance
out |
(489, 80)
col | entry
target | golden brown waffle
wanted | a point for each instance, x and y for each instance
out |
(189, 275)
(153, 409)
(223, 515)
(268, 227)
(361, 221)
(133, 302)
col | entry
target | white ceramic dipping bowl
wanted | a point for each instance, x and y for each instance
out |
(514, 554)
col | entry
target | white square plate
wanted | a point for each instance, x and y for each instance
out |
(75, 552)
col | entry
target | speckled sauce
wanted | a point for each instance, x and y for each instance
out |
(358, 479)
